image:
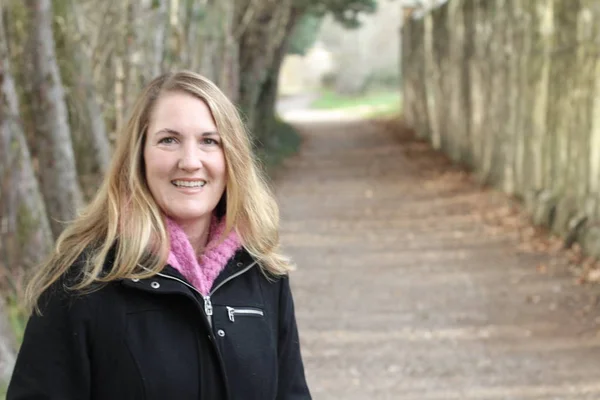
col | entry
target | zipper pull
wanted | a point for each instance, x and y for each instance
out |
(231, 313)
(208, 308)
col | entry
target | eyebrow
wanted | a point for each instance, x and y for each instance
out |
(176, 133)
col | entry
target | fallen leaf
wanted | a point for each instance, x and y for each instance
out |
(593, 276)
(541, 268)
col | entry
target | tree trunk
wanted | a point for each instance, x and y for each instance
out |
(190, 34)
(160, 37)
(25, 237)
(259, 47)
(98, 135)
(267, 99)
(8, 354)
(209, 40)
(29, 218)
(58, 173)
(125, 71)
(229, 79)
(175, 36)
(129, 45)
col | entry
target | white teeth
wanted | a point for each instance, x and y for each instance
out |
(189, 183)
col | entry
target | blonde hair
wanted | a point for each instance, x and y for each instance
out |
(123, 216)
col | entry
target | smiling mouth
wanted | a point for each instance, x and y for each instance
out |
(189, 184)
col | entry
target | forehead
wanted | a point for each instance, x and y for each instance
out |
(181, 111)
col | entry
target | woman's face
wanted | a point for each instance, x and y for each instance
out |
(184, 159)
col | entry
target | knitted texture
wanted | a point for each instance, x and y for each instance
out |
(201, 272)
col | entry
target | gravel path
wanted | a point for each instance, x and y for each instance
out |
(405, 288)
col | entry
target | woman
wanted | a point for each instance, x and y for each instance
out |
(170, 285)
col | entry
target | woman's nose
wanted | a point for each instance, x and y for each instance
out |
(190, 159)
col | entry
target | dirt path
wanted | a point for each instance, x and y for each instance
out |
(406, 290)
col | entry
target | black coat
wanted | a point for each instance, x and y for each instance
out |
(151, 339)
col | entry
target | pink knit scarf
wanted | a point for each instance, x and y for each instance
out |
(201, 272)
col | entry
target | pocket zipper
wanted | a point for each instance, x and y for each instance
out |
(232, 312)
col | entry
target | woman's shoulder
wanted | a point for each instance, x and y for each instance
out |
(65, 289)
(244, 259)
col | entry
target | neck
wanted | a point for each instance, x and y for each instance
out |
(197, 232)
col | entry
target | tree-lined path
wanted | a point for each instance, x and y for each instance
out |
(407, 290)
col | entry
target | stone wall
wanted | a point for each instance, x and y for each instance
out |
(512, 88)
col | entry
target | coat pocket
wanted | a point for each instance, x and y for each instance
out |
(248, 345)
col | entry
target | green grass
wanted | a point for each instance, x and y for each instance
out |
(17, 318)
(376, 102)
(383, 112)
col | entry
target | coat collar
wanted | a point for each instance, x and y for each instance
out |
(241, 260)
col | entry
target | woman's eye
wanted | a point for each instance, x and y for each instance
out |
(167, 140)
(210, 141)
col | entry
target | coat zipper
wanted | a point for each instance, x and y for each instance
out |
(231, 312)
(208, 308)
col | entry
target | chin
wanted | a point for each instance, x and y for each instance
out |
(183, 216)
